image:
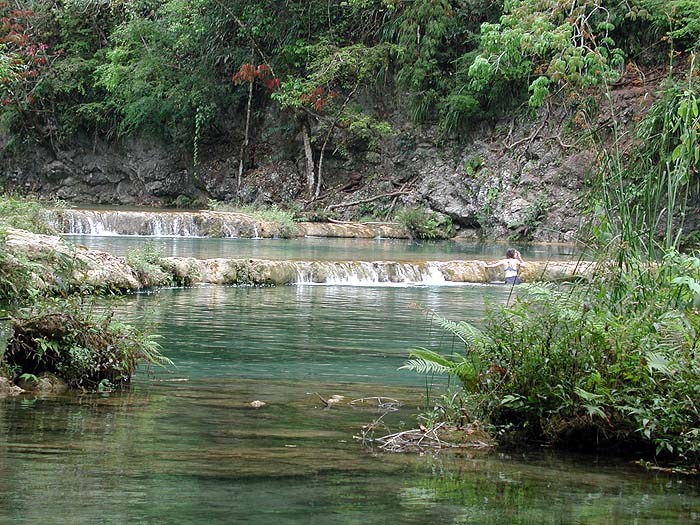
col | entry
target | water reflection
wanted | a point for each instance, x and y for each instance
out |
(185, 446)
(195, 452)
(305, 332)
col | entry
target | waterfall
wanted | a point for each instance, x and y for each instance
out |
(158, 223)
(358, 273)
(202, 223)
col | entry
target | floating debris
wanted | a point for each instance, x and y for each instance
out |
(334, 399)
(440, 436)
(384, 403)
(257, 403)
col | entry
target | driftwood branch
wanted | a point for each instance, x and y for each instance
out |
(363, 201)
(388, 403)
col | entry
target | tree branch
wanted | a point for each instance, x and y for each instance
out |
(363, 201)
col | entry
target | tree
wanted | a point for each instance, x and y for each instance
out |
(23, 60)
(546, 43)
(249, 73)
(316, 97)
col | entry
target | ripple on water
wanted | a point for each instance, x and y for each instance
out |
(185, 446)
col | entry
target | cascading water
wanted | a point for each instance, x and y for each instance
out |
(157, 224)
(203, 223)
(356, 273)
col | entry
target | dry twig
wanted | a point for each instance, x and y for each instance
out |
(363, 201)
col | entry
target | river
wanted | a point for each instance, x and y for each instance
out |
(184, 445)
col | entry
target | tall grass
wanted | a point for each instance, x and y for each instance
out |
(645, 182)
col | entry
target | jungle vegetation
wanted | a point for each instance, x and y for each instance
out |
(180, 69)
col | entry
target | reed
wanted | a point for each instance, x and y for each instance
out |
(646, 181)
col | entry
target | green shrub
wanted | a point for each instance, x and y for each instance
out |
(16, 284)
(425, 224)
(67, 339)
(147, 262)
(24, 214)
(609, 362)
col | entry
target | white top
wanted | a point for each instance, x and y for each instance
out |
(511, 267)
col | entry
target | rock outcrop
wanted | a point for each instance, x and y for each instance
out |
(511, 179)
(79, 267)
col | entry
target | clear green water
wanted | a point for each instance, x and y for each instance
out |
(317, 249)
(184, 446)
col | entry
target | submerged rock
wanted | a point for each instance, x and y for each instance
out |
(46, 383)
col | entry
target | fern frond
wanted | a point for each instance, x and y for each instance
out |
(429, 355)
(471, 336)
(422, 366)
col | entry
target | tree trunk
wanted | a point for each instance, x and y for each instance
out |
(328, 136)
(306, 134)
(244, 145)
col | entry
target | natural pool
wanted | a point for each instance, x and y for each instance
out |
(183, 445)
(318, 249)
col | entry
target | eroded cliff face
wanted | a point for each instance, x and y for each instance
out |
(516, 178)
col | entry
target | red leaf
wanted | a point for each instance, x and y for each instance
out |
(246, 73)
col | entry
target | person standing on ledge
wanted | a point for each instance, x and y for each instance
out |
(511, 265)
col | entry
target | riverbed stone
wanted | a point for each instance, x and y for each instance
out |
(8, 388)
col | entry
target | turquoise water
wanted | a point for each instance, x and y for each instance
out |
(317, 249)
(183, 445)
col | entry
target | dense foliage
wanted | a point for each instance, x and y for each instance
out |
(611, 364)
(164, 67)
(84, 348)
(424, 224)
